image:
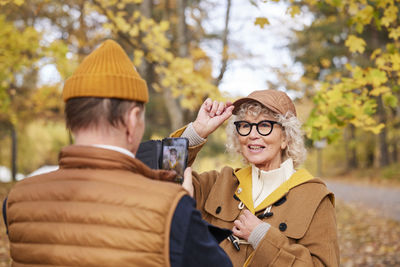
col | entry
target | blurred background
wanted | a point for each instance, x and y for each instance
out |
(338, 60)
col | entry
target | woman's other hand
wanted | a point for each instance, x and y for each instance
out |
(187, 181)
(246, 223)
(211, 115)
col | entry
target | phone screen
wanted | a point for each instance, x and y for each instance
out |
(174, 155)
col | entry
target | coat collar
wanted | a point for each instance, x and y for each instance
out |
(91, 157)
(244, 189)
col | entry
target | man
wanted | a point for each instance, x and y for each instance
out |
(103, 207)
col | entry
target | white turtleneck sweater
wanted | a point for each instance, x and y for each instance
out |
(265, 182)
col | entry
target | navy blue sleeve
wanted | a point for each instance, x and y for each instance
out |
(191, 243)
(5, 214)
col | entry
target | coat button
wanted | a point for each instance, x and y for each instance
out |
(282, 227)
(239, 190)
(218, 210)
(280, 201)
(236, 198)
(266, 215)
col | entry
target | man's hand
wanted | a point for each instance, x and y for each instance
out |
(211, 115)
(187, 181)
(245, 225)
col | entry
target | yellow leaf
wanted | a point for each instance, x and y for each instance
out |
(376, 77)
(375, 129)
(326, 63)
(376, 52)
(134, 32)
(137, 57)
(353, 8)
(390, 15)
(164, 25)
(379, 90)
(395, 59)
(121, 5)
(394, 33)
(261, 21)
(355, 44)
(293, 10)
(17, 2)
(366, 14)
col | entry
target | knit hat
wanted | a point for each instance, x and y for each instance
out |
(277, 101)
(109, 73)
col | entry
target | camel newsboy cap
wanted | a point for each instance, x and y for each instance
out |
(277, 101)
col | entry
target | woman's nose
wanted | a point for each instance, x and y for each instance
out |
(253, 133)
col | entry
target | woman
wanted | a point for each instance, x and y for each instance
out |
(279, 216)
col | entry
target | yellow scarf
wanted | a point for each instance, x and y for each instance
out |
(244, 190)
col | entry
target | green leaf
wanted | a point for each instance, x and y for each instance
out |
(390, 100)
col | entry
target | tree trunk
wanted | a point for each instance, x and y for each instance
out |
(181, 31)
(175, 112)
(145, 68)
(351, 151)
(13, 153)
(224, 62)
(383, 151)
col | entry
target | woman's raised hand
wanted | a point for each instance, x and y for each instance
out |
(211, 115)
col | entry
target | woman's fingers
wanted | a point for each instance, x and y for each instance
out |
(211, 115)
(207, 104)
(247, 213)
(227, 113)
(237, 224)
(236, 231)
(214, 108)
(245, 224)
(220, 109)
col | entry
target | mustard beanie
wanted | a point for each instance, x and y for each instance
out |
(109, 73)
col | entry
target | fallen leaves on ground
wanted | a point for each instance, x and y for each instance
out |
(366, 239)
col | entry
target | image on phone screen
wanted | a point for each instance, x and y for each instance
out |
(175, 155)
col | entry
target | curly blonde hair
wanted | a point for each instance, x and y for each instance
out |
(295, 148)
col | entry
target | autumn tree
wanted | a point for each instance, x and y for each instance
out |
(22, 55)
(364, 90)
(159, 37)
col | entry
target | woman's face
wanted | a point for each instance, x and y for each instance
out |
(263, 151)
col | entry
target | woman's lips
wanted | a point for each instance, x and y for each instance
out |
(255, 148)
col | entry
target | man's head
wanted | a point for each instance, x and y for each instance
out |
(106, 96)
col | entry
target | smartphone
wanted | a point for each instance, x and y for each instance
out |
(175, 155)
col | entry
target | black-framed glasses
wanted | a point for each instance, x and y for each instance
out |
(264, 127)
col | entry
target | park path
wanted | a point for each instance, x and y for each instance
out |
(384, 200)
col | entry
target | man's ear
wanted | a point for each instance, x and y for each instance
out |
(135, 116)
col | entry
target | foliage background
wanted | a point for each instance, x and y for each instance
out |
(347, 96)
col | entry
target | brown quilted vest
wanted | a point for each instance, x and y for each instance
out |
(98, 209)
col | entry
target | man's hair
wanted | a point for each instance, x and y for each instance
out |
(91, 112)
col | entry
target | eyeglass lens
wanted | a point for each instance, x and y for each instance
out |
(263, 127)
